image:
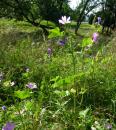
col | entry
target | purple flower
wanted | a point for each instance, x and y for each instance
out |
(109, 126)
(49, 51)
(64, 20)
(95, 37)
(31, 85)
(61, 42)
(9, 126)
(3, 108)
(99, 20)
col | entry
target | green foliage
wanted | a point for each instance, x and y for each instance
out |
(75, 89)
(83, 113)
(33, 10)
(53, 9)
(48, 23)
(55, 33)
(22, 94)
(86, 42)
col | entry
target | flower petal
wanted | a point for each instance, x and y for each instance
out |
(60, 21)
(64, 19)
(68, 19)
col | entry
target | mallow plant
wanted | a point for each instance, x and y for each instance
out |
(67, 41)
(59, 100)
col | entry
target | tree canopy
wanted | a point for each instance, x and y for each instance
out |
(34, 11)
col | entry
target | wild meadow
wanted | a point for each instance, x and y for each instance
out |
(61, 81)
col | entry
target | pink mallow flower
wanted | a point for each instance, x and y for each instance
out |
(9, 126)
(64, 20)
(49, 51)
(95, 37)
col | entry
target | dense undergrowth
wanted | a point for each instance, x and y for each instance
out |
(75, 85)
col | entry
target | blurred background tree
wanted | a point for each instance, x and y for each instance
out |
(34, 11)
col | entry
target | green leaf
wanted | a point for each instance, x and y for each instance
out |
(22, 94)
(86, 42)
(62, 93)
(25, 75)
(55, 79)
(29, 105)
(60, 82)
(83, 113)
(48, 23)
(55, 33)
(7, 83)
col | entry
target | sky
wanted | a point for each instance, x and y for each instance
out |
(74, 3)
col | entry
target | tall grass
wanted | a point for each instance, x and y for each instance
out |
(66, 80)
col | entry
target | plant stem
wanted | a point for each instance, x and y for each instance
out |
(21, 118)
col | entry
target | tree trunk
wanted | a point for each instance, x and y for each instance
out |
(81, 16)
